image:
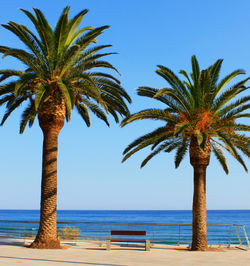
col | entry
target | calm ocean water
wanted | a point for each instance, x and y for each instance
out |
(240, 217)
(156, 233)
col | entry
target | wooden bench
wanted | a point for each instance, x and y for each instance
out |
(128, 240)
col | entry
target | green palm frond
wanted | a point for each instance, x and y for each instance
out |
(8, 98)
(231, 106)
(215, 71)
(227, 79)
(237, 111)
(11, 106)
(21, 55)
(154, 136)
(28, 116)
(241, 142)
(174, 144)
(84, 113)
(66, 93)
(181, 101)
(228, 95)
(109, 78)
(181, 152)
(174, 81)
(29, 40)
(220, 157)
(73, 25)
(46, 41)
(88, 52)
(155, 152)
(93, 58)
(155, 114)
(231, 149)
(142, 145)
(95, 110)
(98, 63)
(195, 69)
(180, 128)
(113, 89)
(151, 92)
(41, 94)
(7, 88)
(227, 126)
(90, 36)
(9, 73)
(159, 139)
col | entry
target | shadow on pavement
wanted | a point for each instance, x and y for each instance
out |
(60, 261)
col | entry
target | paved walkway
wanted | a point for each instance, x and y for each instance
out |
(93, 254)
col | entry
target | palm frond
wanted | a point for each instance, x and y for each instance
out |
(226, 96)
(215, 71)
(142, 145)
(155, 114)
(15, 103)
(181, 152)
(28, 116)
(84, 113)
(220, 157)
(152, 154)
(151, 92)
(195, 70)
(174, 81)
(233, 113)
(231, 149)
(95, 110)
(154, 136)
(9, 73)
(227, 79)
(28, 39)
(177, 98)
(73, 25)
(227, 109)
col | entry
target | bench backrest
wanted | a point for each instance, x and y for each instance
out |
(128, 233)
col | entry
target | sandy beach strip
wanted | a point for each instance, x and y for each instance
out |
(93, 253)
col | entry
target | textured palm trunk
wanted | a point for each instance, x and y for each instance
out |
(199, 226)
(199, 158)
(51, 121)
(47, 234)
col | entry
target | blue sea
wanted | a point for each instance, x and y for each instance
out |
(238, 217)
(241, 217)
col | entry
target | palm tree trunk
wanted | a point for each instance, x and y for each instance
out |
(199, 159)
(51, 120)
(47, 234)
(199, 235)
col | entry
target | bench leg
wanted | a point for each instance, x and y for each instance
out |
(108, 245)
(147, 245)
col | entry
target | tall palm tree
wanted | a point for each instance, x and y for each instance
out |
(198, 117)
(60, 74)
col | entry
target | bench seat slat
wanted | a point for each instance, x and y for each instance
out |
(127, 240)
(128, 233)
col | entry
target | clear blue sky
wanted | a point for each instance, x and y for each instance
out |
(90, 173)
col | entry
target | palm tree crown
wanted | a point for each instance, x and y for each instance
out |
(60, 64)
(195, 107)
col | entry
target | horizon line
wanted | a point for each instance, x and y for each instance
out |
(125, 209)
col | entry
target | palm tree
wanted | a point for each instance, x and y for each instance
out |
(198, 117)
(60, 74)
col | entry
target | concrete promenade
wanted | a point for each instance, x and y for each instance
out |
(93, 254)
